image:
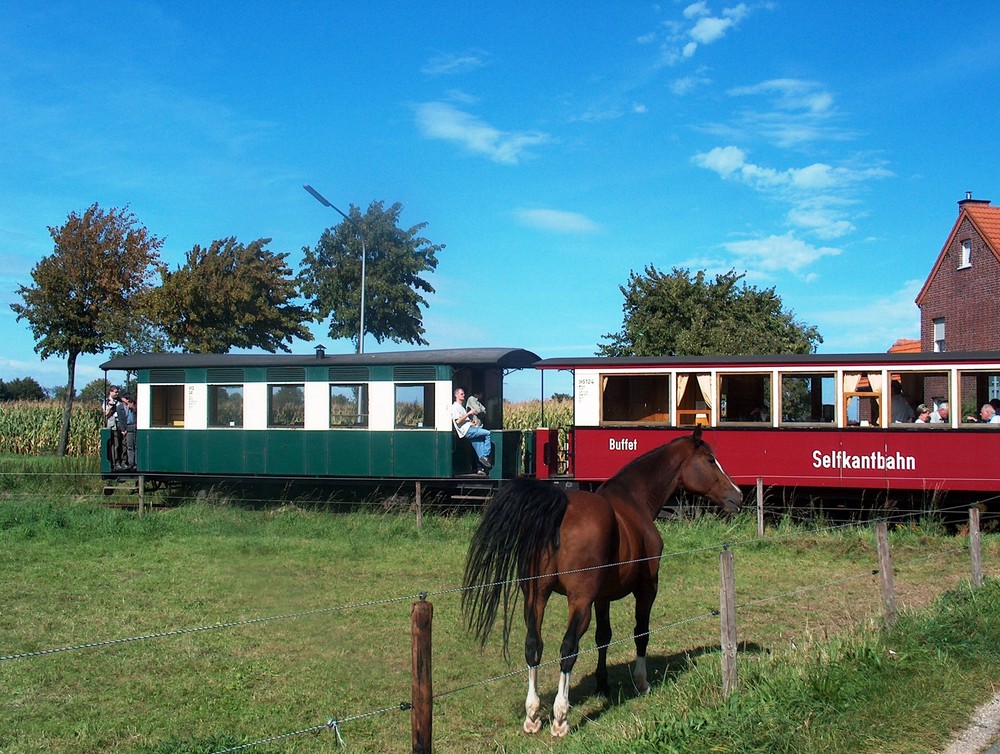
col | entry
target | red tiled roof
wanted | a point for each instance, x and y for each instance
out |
(905, 345)
(987, 222)
(985, 219)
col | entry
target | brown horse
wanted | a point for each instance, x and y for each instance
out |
(592, 547)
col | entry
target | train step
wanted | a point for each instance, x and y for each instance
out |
(128, 485)
(473, 493)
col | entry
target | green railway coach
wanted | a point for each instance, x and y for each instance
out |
(373, 416)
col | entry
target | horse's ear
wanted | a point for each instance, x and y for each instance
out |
(696, 435)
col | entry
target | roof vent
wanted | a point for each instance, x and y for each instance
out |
(320, 352)
(968, 195)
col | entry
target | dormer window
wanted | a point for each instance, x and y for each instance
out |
(965, 260)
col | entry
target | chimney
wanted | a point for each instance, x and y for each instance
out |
(969, 200)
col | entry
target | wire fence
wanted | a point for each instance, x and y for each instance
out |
(335, 725)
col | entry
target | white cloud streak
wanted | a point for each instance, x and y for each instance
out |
(557, 221)
(440, 120)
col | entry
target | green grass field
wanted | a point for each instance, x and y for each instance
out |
(818, 674)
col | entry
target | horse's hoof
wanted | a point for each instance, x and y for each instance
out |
(532, 726)
(560, 729)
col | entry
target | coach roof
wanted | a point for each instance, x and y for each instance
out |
(503, 358)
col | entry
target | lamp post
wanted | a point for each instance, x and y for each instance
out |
(364, 255)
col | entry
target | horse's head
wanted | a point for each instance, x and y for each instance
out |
(702, 474)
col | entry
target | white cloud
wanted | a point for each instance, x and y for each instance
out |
(708, 30)
(557, 221)
(447, 64)
(439, 120)
(696, 9)
(791, 94)
(700, 27)
(779, 254)
(731, 162)
(816, 193)
(800, 111)
(688, 84)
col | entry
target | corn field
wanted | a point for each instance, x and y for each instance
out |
(33, 427)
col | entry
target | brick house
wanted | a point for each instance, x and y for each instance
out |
(960, 301)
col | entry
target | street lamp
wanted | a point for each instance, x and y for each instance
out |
(364, 254)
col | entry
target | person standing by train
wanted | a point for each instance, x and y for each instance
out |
(130, 425)
(114, 410)
(479, 436)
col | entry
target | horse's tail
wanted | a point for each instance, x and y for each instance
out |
(519, 524)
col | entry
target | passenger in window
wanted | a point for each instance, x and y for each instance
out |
(988, 414)
(902, 411)
(479, 436)
(941, 415)
(923, 414)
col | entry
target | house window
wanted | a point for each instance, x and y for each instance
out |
(939, 335)
(966, 258)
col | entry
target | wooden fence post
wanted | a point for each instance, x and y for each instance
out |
(727, 620)
(420, 510)
(141, 490)
(885, 573)
(422, 699)
(760, 506)
(977, 563)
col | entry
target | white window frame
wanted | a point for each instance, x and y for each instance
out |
(965, 258)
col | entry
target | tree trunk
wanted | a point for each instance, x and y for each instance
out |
(68, 406)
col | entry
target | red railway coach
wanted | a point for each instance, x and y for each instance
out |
(843, 421)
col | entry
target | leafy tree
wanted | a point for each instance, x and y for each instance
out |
(330, 276)
(684, 315)
(230, 296)
(21, 389)
(95, 391)
(100, 267)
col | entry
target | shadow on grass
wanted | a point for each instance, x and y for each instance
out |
(660, 669)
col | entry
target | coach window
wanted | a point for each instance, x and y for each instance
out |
(225, 405)
(807, 398)
(414, 406)
(694, 399)
(349, 405)
(166, 405)
(635, 399)
(863, 399)
(286, 406)
(744, 398)
(928, 388)
(976, 388)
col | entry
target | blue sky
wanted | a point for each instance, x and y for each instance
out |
(552, 147)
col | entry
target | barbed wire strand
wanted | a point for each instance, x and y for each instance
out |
(390, 600)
